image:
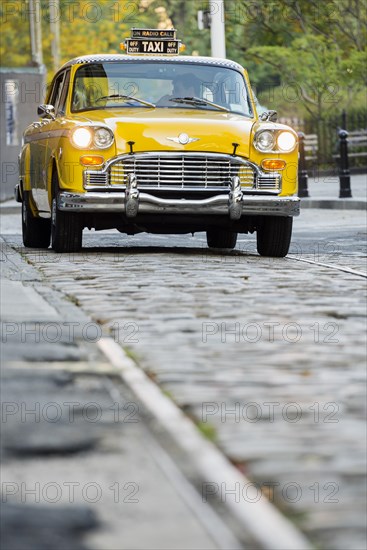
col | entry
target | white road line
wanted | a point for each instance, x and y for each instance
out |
(260, 519)
(339, 268)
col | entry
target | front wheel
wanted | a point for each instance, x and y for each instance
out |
(274, 236)
(221, 238)
(35, 231)
(66, 230)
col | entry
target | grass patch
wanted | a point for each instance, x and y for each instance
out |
(207, 430)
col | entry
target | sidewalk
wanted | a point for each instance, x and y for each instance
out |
(324, 193)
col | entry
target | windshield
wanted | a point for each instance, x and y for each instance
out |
(160, 85)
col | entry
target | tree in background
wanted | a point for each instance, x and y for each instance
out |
(94, 26)
(304, 56)
(316, 51)
(85, 27)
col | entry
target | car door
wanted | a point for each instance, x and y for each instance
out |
(35, 137)
(53, 131)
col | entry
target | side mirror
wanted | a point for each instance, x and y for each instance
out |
(46, 111)
(269, 116)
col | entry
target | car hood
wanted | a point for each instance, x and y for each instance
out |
(150, 130)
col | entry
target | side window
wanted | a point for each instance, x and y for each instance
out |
(60, 110)
(56, 90)
(59, 93)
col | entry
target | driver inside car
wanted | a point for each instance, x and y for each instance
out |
(186, 85)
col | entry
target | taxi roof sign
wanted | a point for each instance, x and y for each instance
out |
(152, 41)
(162, 34)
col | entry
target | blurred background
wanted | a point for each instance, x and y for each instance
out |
(306, 59)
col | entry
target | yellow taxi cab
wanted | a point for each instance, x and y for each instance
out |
(152, 141)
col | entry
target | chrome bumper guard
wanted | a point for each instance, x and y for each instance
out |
(133, 202)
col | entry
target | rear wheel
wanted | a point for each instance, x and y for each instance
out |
(221, 238)
(66, 227)
(36, 231)
(274, 236)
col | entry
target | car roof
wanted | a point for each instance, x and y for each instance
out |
(100, 58)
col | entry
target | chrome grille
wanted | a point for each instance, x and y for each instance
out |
(268, 182)
(189, 171)
(93, 178)
(181, 171)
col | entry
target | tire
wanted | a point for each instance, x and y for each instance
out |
(66, 228)
(274, 236)
(221, 238)
(36, 231)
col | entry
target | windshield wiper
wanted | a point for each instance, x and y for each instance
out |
(126, 98)
(198, 101)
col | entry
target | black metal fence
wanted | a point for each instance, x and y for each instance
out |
(327, 138)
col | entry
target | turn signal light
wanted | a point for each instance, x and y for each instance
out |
(91, 160)
(273, 164)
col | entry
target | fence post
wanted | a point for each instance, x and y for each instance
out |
(344, 119)
(302, 171)
(344, 173)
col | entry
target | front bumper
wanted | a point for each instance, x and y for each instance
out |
(142, 184)
(143, 203)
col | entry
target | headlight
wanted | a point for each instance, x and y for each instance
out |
(103, 138)
(286, 141)
(265, 141)
(81, 137)
(92, 138)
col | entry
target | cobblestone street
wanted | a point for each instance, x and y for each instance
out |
(268, 356)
